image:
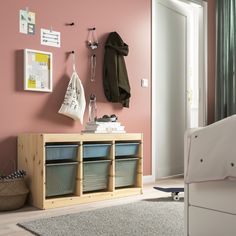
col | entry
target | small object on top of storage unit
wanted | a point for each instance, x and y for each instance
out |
(126, 172)
(126, 149)
(61, 152)
(60, 178)
(96, 150)
(95, 175)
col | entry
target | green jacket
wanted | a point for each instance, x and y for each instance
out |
(115, 77)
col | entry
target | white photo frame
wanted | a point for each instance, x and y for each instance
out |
(37, 70)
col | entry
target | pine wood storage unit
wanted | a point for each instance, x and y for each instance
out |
(66, 169)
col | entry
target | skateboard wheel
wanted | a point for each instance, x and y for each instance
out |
(176, 198)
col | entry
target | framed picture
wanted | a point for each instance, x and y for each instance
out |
(37, 70)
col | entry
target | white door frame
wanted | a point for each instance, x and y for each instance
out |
(202, 83)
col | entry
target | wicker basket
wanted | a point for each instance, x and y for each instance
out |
(13, 193)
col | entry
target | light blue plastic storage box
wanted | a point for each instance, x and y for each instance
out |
(61, 152)
(126, 149)
(95, 175)
(60, 178)
(96, 150)
(125, 172)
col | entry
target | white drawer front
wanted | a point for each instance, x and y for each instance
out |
(203, 222)
(218, 195)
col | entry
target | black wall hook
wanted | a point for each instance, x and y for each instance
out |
(70, 24)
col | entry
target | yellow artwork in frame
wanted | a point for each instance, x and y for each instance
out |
(37, 70)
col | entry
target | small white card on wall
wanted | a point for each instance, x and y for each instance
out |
(50, 38)
(27, 22)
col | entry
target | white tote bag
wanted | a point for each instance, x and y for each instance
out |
(74, 102)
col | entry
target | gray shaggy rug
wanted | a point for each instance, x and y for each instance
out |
(144, 218)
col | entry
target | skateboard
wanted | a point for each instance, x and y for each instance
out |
(174, 191)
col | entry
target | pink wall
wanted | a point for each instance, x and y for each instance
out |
(23, 111)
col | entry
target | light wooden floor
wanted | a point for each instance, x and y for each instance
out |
(8, 220)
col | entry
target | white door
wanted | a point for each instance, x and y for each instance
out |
(171, 96)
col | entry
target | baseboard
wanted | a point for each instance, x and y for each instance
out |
(148, 179)
(171, 176)
(169, 171)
